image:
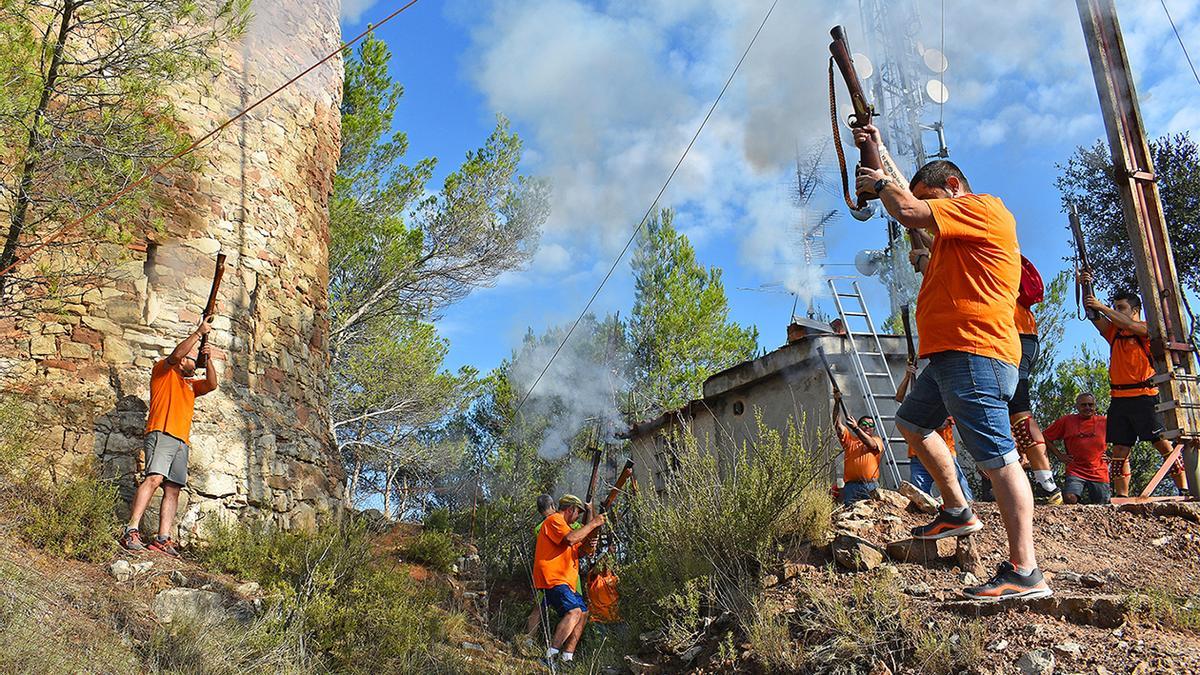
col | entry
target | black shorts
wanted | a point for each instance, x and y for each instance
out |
(1029, 355)
(1133, 418)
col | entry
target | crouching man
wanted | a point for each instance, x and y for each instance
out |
(173, 392)
(556, 573)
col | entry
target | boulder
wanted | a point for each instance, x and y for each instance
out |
(856, 554)
(121, 570)
(966, 553)
(920, 551)
(918, 500)
(1069, 649)
(142, 567)
(179, 602)
(1037, 662)
(892, 498)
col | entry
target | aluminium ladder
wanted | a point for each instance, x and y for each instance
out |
(874, 376)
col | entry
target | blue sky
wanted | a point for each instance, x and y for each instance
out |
(606, 95)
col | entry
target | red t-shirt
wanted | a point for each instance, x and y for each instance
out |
(1085, 441)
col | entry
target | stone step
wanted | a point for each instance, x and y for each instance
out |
(1102, 610)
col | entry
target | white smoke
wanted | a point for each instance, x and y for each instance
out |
(608, 94)
(576, 393)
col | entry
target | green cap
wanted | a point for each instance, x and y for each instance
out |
(570, 500)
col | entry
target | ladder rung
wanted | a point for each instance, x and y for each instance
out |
(870, 354)
(888, 396)
(887, 417)
(877, 374)
(847, 295)
(854, 313)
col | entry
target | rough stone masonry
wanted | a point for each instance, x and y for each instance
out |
(261, 445)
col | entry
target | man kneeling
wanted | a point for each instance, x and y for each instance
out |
(556, 572)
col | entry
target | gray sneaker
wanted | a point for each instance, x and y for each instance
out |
(131, 540)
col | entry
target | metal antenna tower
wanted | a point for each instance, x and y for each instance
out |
(900, 83)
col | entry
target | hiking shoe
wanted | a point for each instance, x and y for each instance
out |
(1047, 497)
(1009, 585)
(131, 540)
(946, 525)
(166, 546)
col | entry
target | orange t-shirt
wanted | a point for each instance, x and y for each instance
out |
(969, 295)
(172, 402)
(1026, 323)
(860, 463)
(555, 562)
(1129, 362)
(947, 434)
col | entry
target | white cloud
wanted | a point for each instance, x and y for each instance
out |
(352, 10)
(609, 93)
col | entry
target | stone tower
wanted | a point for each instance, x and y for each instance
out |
(259, 192)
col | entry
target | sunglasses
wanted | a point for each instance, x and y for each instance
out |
(867, 424)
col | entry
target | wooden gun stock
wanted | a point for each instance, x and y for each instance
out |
(211, 308)
(626, 474)
(593, 482)
(863, 110)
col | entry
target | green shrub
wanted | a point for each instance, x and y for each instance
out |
(720, 520)
(438, 520)
(75, 519)
(357, 610)
(434, 549)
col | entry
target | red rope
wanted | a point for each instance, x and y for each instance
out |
(158, 168)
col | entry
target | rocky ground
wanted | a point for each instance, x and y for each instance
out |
(1100, 561)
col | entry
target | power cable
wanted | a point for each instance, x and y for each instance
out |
(1180, 39)
(158, 168)
(650, 210)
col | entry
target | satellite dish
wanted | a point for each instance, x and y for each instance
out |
(864, 214)
(937, 91)
(863, 65)
(935, 60)
(868, 262)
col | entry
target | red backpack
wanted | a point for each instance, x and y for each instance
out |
(1033, 289)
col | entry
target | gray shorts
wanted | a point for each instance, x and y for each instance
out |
(167, 456)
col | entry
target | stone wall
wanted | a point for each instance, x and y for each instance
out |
(261, 446)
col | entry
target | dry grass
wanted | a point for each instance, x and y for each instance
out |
(843, 625)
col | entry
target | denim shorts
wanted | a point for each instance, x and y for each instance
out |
(975, 390)
(857, 491)
(563, 599)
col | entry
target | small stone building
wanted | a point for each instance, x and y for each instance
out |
(261, 445)
(788, 385)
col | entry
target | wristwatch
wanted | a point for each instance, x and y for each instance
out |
(881, 183)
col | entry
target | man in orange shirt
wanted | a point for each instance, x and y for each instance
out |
(1030, 441)
(556, 572)
(1131, 415)
(1083, 436)
(173, 392)
(965, 312)
(862, 449)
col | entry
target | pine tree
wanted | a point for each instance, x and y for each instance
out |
(680, 330)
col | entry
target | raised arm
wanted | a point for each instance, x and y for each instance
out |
(189, 343)
(576, 536)
(209, 383)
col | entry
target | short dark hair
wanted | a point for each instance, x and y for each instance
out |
(1134, 300)
(935, 173)
(544, 503)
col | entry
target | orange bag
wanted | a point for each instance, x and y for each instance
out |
(602, 597)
